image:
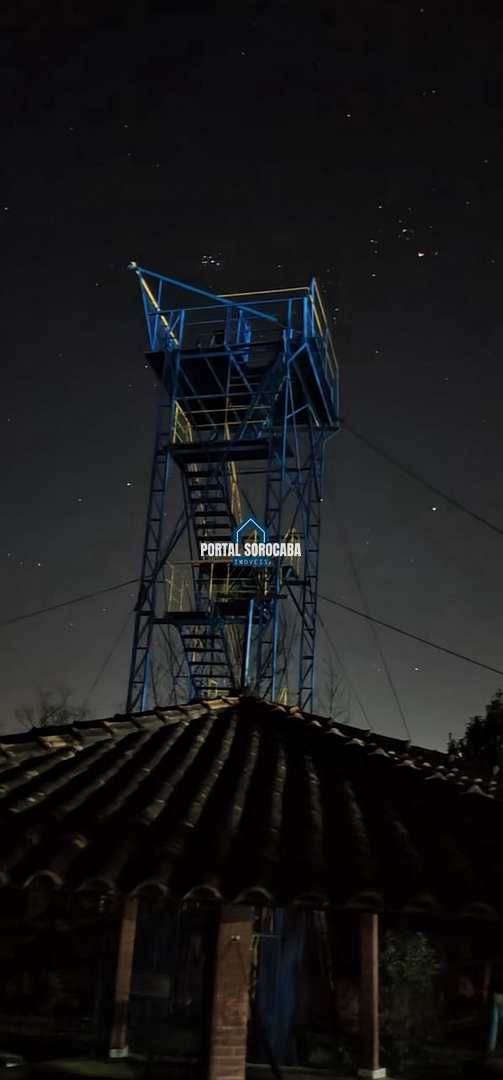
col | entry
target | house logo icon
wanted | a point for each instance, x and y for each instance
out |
(254, 553)
(248, 526)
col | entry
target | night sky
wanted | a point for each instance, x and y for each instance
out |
(359, 142)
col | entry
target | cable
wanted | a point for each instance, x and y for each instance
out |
(345, 672)
(67, 603)
(108, 657)
(328, 600)
(407, 633)
(375, 635)
(420, 479)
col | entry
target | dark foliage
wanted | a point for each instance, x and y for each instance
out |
(482, 743)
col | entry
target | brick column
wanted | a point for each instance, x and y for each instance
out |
(123, 975)
(369, 998)
(229, 1018)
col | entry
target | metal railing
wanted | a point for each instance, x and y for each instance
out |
(177, 592)
(298, 308)
(321, 324)
(218, 587)
(182, 427)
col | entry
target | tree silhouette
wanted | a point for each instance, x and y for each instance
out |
(482, 743)
(51, 707)
(335, 694)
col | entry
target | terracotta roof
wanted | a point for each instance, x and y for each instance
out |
(253, 802)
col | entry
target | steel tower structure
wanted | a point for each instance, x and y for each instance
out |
(248, 398)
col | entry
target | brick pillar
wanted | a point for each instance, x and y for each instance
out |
(123, 975)
(369, 998)
(229, 1018)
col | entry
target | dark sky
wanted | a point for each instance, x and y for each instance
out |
(360, 142)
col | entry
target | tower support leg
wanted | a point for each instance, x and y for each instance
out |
(247, 644)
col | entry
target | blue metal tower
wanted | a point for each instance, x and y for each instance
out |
(248, 398)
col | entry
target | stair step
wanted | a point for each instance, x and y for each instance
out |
(211, 513)
(205, 510)
(205, 506)
(197, 648)
(194, 622)
(196, 488)
(213, 692)
(219, 539)
(206, 476)
(204, 649)
(218, 487)
(203, 522)
(211, 663)
(185, 639)
(223, 450)
(200, 637)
